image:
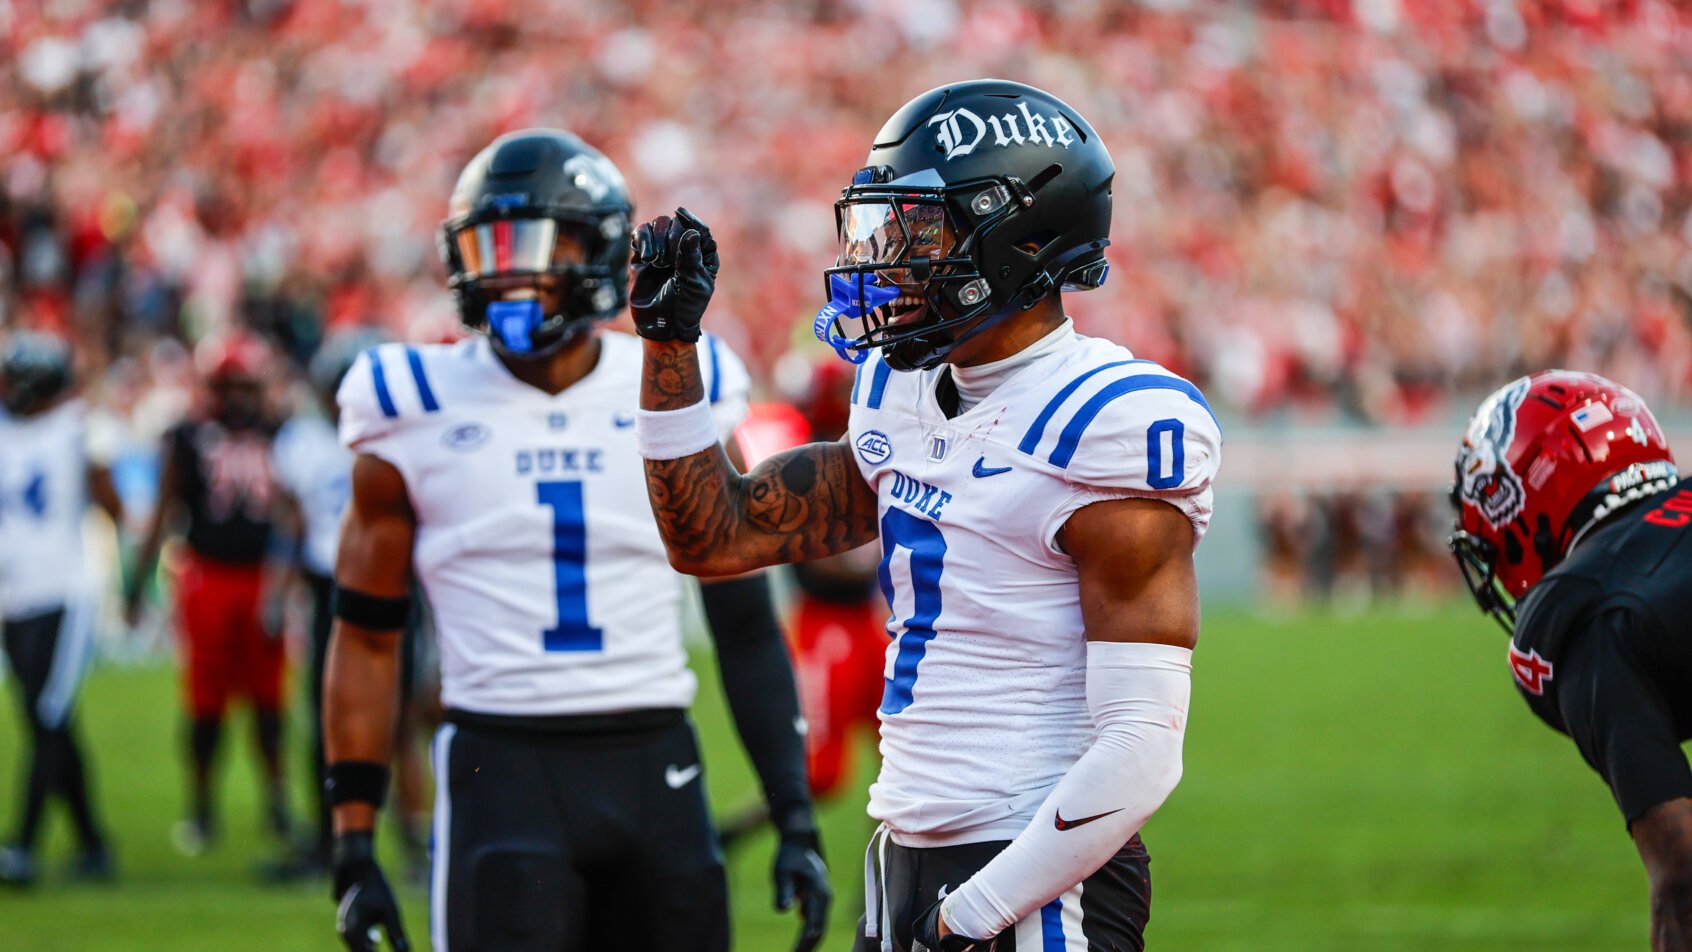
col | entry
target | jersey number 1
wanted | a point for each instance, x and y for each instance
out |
(569, 567)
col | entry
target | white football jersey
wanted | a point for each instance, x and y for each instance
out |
(536, 545)
(984, 707)
(43, 495)
(316, 469)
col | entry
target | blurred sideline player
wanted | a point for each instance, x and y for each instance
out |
(47, 479)
(1038, 496)
(837, 618)
(1575, 533)
(216, 471)
(315, 470)
(569, 808)
(840, 619)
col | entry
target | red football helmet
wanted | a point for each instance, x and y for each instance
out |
(1545, 459)
(232, 353)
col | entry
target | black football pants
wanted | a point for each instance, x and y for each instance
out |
(47, 653)
(574, 842)
(1106, 911)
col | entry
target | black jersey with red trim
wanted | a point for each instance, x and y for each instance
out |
(1602, 649)
(226, 484)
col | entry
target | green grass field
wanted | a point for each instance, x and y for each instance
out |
(1352, 782)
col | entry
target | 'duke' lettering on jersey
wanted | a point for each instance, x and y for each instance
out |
(560, 460)
(923, 497)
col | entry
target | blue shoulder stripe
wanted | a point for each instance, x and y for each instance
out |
(1071, 438)
(1031, 439)
(716, 368)
(424, 392)
(857, 381)
(384, 399)
(878, 384)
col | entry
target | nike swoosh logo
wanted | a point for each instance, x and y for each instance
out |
(622, 422)
(1063, 824)
(982, 471)
(678, 778)
(944, 889)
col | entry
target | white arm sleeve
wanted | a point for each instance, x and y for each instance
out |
(1138, 694)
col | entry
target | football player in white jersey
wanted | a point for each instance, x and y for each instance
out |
(47, 479)
(570, 811)
(315, 472)
(1038, 496)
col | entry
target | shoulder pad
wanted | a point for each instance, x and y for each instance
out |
(386, 386)
(1128, 424)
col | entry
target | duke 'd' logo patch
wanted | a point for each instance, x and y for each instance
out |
(875, 447)
(1530, 669)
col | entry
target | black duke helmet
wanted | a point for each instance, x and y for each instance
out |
(977, 201)
(537, 211)
(35, 369)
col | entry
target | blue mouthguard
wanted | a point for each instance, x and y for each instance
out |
(847, 302)
(514, 321)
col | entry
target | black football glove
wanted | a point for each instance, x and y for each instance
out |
(366, 901)
(675, 271)
(801, 873)
(925, 936)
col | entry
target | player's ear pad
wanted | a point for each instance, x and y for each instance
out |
(521, 899)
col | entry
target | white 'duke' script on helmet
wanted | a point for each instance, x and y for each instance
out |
(961, 131)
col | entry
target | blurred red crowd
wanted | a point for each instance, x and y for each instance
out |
(1323, 208)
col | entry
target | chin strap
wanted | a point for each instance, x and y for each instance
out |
(1045, 283)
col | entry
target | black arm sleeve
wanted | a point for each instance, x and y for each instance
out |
(1613, 702)
(762, 694)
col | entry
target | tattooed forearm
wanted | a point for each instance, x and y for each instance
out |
(803, 504)
(671, 376)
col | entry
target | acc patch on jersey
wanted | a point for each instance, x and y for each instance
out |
(875, 447)
(1487, 479)
(1530, 669)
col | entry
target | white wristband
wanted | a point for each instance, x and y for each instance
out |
(673, 434)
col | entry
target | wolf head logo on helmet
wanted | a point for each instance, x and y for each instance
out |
(537, 241)
(977, 201)
(1545, 459)
(1485, 478)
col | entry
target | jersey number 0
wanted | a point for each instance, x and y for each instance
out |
(901, 530)
(569, 566)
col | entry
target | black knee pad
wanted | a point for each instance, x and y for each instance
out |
(520, 899)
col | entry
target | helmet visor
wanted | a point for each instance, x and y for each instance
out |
(886, 233)
(519, 245)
